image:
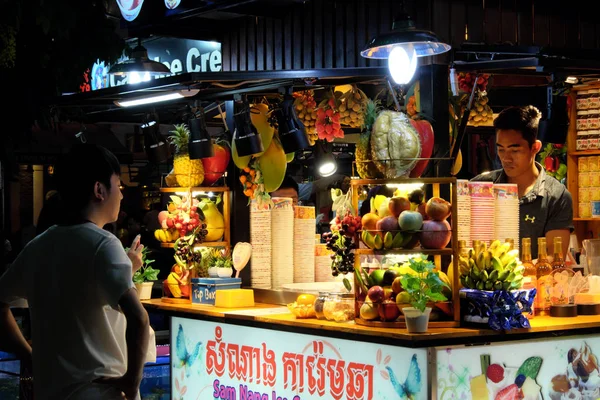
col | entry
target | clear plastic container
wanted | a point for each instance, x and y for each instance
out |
(594, 119)
(339, 307)
(582, 140)
(582, 123)
(319, 304)
(583, 102)
(594, 99)
(594, 140)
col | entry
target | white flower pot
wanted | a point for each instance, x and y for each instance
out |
(225, 272)
(144, 290)
(416, 321)
(213, 272)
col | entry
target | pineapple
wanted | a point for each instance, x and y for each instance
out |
(366, 169)
(187, 172)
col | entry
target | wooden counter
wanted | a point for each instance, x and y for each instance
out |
(276, 317)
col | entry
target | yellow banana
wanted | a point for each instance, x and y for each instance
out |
(495, 244)
(157, 234)
(163, 236)
(487, 260)
(168, 236)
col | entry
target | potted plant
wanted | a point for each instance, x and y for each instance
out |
(220, 263)
(144, 277)
(423, 287)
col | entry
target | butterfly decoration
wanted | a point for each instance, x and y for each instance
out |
(412, 386)
(186, 359)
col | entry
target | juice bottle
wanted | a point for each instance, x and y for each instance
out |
(544, 279)
(530, 273)
(559, 261)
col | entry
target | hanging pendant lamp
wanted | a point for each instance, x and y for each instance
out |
(139, 64)
(404, 34)
(247, 139)
(200, 144)
(291, 130)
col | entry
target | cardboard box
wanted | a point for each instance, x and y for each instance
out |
(584, 179)
(584, 194)
(204, 290)
(592, 163)
(585, 210)
(583, 164)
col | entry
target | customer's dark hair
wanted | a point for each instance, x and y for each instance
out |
(523, 119)
(78, 171)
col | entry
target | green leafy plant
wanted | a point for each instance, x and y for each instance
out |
(425, 286)
(146, 273)
(220, 258)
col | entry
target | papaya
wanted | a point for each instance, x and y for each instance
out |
(259, 115)
(273, 164)
(215, 223)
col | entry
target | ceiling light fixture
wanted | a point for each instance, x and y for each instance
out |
(291, 130)
(402, 45)
(139, 64)
(155, 145)
(138, 101)
(325, 161)
(246, 139)
(200, 142)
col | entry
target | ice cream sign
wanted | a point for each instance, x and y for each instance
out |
(180, 55)
(555, 369)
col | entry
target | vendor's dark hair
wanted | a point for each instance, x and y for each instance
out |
(289, 182)
(77, 172)
(524, 119)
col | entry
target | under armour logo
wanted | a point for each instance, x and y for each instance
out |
(529, 219)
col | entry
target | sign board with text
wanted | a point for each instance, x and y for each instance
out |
(213, 360)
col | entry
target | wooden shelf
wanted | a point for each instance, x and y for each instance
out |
(194, 189)
(429, 252)
(205, 244)
(587, 219)
(426, 181)
(584, 153)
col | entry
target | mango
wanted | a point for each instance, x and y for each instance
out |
(273, 165)
(215, 223)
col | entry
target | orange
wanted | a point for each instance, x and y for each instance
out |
(306, 299)
(369, 222)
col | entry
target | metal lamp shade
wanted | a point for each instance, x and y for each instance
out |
(200, 144)
(139, 62)
(157, 148)
(247, 139)
(291, 131)
(425, 43)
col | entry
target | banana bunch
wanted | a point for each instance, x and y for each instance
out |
(493, 268)
(166, 235)
(390, 240)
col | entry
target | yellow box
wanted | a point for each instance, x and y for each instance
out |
(594, 179)
(585, 211)
(584, 179)
(234, 298)
(585, 194)
(583, 164)
(593, 164)
(594, 194)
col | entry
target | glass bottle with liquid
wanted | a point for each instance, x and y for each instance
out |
(512, 243)
(544, 279)
(530, 272)
(559, 260)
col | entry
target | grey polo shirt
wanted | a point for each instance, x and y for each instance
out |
(548, 206)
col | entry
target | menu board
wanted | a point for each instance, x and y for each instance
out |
(282, 242)
(304, 244)
(260, 239)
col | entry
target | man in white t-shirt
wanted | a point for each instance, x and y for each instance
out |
(89, 330)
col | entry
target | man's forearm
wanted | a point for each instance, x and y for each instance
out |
(137, 337)
(11, 338)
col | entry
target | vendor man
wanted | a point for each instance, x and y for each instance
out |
(546, 206)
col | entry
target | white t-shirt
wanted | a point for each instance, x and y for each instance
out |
(73, 278)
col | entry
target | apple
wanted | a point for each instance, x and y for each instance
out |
(422, 210)
(170, 222)
(402, 300)
(376, 277)
(389, 276)
(387, 224)
(163, 215)
(388, 311)
(376, 294)
(215, 166)
(397, 205)
(388, 293)
(369, 311)
(397, 285)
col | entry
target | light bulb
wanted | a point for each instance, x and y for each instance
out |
(327, 168)
(135, 77)
(402, 65)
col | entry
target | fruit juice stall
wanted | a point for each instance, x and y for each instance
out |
(401, 262)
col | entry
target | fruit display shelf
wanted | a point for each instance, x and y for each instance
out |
(447, 314)
(428, 252)
(205, 244)
(216, 189)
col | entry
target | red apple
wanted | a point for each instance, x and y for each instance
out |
(376, 294)
(388, 311)
(162, 216)
(397, 205)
